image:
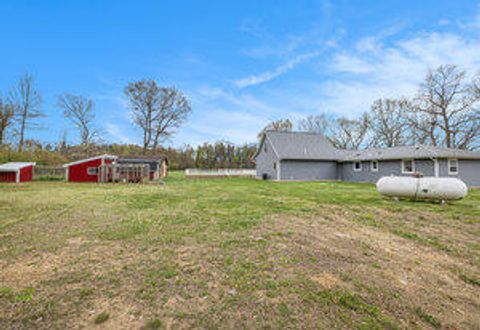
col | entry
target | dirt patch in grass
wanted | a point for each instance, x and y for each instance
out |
(71, 285)
(35, 267)
(397, 274)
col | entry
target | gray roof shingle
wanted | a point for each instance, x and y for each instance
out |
(310, 146)
(299, 145)
(417, 152)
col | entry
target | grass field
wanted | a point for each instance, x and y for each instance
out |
(234, 253)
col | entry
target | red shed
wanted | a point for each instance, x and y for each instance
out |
(16, 172)
(86, 170)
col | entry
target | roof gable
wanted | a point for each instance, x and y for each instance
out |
(300, 145)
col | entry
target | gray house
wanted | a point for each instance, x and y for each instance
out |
(284, 156)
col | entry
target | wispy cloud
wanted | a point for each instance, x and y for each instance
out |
(366, 73)
(253, 27)
(117, 133)
(278, 71)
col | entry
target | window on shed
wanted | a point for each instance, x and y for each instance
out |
(408, 166)
(357, 166)
(274, 166)
(92, 170)
(374, 165)
(452, 166)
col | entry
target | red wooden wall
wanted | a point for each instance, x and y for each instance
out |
(26, 174)
(8, 176)
(78, 172)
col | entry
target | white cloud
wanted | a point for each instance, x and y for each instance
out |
(372, 70)
(444, 22)
(278, 71)
(253, 26)
(222, 115)
(117, 133)
(206, 96)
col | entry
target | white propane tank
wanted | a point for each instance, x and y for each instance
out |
(422, 188)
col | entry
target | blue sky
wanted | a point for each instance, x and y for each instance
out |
(242, 63)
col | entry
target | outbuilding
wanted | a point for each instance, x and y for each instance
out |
(108, 168)
(87, 170)
(16, 172)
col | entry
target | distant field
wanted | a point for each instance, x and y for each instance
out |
(234, 253)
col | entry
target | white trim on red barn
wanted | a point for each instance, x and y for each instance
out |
(15, 167)
(102, 157)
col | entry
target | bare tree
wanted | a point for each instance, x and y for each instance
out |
(27, 101)
(350, 133)
(81, 111)
(158, 111)
(388, 122)
(319, 124)
(280, 125)
(143, 97)
(62, 143)
(173, 110)
(446, 107)
(423, 126)
(7, 112)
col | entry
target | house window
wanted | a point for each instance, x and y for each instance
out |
(92, 170)
(374, 166)
(452, 166)
(357, 166)
(274, 166)
(408, 166)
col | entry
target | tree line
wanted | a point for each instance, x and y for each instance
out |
(444, 112)
(221, 154)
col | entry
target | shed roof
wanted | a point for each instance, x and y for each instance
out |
(90, 159)
(15, 166)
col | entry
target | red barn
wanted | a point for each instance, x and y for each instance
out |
(16, 172)
(86, 170)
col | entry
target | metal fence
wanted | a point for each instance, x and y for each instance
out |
(221, 172)
(48, 171)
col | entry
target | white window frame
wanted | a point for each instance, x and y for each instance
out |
(355, 169)
(403, 166)
(450, 166)
(371, 165)
(92, 168)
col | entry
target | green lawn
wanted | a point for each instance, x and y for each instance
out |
(234, 253)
